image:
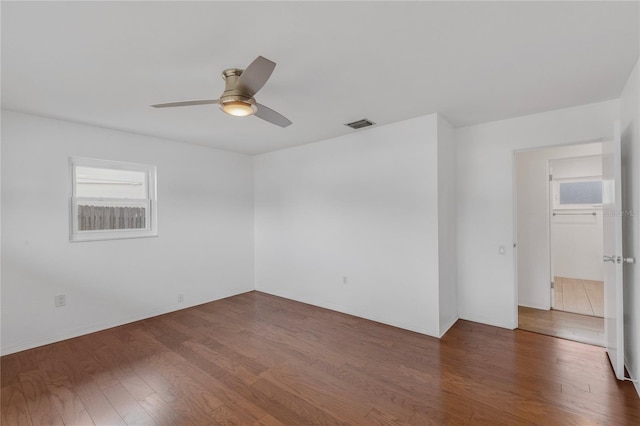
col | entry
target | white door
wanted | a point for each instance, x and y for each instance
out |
(612, 230)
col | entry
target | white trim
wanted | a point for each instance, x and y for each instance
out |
(514, 237)
(481, 319)
(550, 252)
(447, 325)
(358, 313)
(81, 331)
(514, 210)
(541, 308)
(632, 376)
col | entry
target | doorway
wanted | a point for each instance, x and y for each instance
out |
(577, 272)
(559, 236)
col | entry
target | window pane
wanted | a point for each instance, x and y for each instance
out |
(581, 192)
(110, 183)
(98, 216)
(112, 200)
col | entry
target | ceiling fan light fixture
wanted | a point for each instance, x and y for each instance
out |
(239, 88)
(238, 108)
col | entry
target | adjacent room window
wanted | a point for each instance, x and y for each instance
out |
(582, 193)
(589, 192)
(112, 200)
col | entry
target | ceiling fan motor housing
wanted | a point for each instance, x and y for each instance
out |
(232, 93)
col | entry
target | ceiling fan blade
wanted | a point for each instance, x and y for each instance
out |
(267, 114)
(255, 76)
(186, 103)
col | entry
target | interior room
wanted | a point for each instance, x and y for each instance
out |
(287, 213)
(560, 238)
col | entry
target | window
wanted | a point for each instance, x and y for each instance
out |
(112, 200)
(577, 193)
(581, 192)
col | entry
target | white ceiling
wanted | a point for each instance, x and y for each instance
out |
(104, 63)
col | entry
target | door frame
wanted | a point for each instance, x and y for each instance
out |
(514, 207)
(550, 201)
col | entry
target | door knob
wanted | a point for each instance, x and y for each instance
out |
(629, 259)
(609, 259)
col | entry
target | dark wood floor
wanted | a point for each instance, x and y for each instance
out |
(256, 359)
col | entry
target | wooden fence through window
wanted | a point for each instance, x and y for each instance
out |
(93, 218)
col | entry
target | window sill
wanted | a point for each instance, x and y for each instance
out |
(111, 236)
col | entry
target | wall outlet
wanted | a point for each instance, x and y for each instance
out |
(60, 300)
(345, 280)
(180, 298)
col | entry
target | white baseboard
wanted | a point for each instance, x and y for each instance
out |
(632, 376)
(542, 308)
(81, 331)
(488, 321)
(360, 314)
(447, 325)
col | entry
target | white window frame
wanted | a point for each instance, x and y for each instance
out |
(556, 194)
(150, 203)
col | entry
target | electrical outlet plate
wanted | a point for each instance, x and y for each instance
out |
(60, 300)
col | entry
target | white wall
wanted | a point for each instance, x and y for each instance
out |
(532, 212)
(485, 204)
(205, 218)
(362, 206)
(447, 225)
(587, 164)
(577, 240)
(630, 120)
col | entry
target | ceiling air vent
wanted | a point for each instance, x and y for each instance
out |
(360, 124)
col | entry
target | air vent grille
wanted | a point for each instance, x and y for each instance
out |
(360, 123)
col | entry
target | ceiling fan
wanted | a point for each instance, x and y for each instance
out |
(240, 87)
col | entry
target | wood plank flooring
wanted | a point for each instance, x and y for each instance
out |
(566, 325)
(256, 359)
(583, 297)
